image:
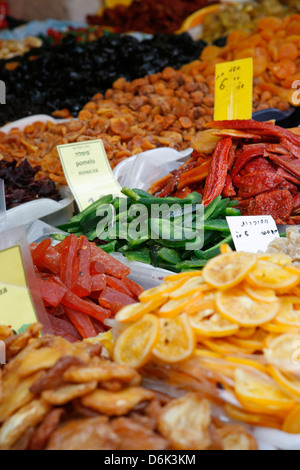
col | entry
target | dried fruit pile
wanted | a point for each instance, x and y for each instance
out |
(21, 185)
(244, 16)
(163, 109)
(275, 48)
(62, 396)
(10, 48)
(255, 163)
(83, 69)
(81, 286)
(149, 16)
(233, 327)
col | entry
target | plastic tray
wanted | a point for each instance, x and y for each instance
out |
(144, 169)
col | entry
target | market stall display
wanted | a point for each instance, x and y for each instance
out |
(257, 163)
(149, 16)
(81, 286)
(58, 396)
(164, 325)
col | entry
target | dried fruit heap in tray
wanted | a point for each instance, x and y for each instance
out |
(81, 286)
(255, 163)
(21, 184)
(62, 396)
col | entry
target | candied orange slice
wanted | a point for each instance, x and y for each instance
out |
(225, 271)
(173, 308)
(283, 352)
(253, 418)
(135, 344)
(201, 352)
(256, 388)
(278, 258)
(291, 424)
(134, 312)
(210, 323)
(190, 287)
(264, 295)
(159, 291)
(245, 333)
(244, 361)
(268, 275)
(201, 302)
(288, 315)
(289, 382)
(223, 347)
(183, 276)
(176, 340)
(235, 305)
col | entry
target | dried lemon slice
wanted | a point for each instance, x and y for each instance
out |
(265, 295)
(176, 340)
(134, 346)
(278, 258)
(291, 424)
(235, 305)
(190, 287)
(160, 291)
(257, 388)
(290, 383)
(201, 302)
(228, 270)
(210, 323)
(173, 308)
(268, 275)
(284, 352)
(134, 312)
(288, 315)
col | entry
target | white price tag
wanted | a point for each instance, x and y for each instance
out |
(252, 233)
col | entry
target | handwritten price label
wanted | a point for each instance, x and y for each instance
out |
(234, 90)
(252, 233)
(88, 172)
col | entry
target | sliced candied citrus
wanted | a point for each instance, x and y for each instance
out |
(236, 305)
(106, 339)
(190, 287)
(225, 271)
(250, 345)
(256, 388)
(244, 361)
(278, 258)
(287, 315)
(279, 329)
(289, 382)
(160, 291)
(135, 344)
(223, 347)
(173, 308)
(291, 424)
(201, 302)
(284, 352)
(265, 295)
(200, 352)
(268, 275)
(254, 419)
(183, 276)
(134, 312)
(210, 323)
(224, 249)
(245, 333)
(176, 340)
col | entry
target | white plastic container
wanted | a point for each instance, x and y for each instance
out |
(144, 169)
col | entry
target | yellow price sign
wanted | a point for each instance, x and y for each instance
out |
(16, 304)
(88, 172)
(234, 90)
